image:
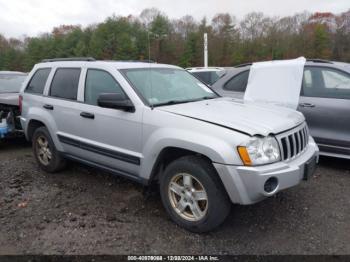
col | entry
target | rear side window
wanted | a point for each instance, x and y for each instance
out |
(38, 81)
(65, 83)
(238, 83)
(99, 82)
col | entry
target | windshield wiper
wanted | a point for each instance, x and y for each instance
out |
(175, 102)
(208, 97)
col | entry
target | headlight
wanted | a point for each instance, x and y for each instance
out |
(259, 151)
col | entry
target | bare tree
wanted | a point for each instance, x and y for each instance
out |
(148, 15)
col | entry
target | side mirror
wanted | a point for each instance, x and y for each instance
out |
(116, 101)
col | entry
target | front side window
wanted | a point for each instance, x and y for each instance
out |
(38, 81)
(99, 82)
(11, 83)
(161, 86)
(238, 83)
(65, 83)
(326, 82)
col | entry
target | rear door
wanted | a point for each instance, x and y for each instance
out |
(325, 103)
(61, 102)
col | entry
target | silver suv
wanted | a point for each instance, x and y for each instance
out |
(158, 124)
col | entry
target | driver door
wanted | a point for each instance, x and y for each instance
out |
(107, 137)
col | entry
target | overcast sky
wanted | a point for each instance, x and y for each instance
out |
(31, 17)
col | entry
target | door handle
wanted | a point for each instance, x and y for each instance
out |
(307, 105)
(48, 107)
(87, 115)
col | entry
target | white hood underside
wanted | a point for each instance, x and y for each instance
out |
(276, 82)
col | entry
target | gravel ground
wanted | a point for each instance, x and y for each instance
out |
(86, 211)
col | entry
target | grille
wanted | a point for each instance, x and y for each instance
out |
(293, 142)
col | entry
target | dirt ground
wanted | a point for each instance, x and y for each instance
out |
(86, 211)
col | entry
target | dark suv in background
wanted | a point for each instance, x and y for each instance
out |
(208, 75)
(324, 100)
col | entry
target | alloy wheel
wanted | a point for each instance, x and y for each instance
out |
(43, 150)
(188, 197)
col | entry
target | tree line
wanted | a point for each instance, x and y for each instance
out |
(153, 35)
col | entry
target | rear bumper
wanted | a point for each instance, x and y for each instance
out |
(245, 185)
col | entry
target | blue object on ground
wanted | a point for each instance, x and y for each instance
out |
(3, 131)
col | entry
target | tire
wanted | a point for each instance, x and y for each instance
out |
(212, 212)
(55, 162)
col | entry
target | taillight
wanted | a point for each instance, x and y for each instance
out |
(20, 99)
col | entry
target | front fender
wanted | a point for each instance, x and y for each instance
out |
(217, 150)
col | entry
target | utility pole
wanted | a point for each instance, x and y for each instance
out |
(205, 50)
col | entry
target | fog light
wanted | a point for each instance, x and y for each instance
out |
(271, 184)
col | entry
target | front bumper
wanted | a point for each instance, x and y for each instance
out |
(245, 185)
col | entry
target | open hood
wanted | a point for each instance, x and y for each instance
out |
(276, 82)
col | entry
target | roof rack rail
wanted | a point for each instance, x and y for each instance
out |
(245, 64)
(134, 61)
(69, 59)
(317, 60)
(131, 61)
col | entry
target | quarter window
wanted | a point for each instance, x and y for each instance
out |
(38, 81)
(65, 83)
(238, 83)
(326, 82)
(209, 77)
(307, 82)
(99, 82)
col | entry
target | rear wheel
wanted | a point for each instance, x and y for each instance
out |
(45, 152)
(193, 194)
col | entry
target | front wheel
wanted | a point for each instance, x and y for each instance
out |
(193, 194)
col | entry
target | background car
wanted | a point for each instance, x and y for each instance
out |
(324, 100)
(208, 75)
(10, 85)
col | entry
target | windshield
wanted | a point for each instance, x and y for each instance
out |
(162, 86)
(10, 83)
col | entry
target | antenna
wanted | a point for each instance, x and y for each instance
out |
(149, 68)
